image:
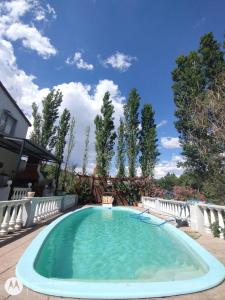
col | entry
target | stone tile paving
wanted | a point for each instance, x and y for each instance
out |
(10, 254)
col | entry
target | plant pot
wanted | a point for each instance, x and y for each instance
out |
(30, 194)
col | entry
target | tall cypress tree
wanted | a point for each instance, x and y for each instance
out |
(69, 149)
(105, 136)
(148, 141)
(121, 150)
(62, 131)
(36, 133)
(50, 114)
(132, 130)
(86, 144)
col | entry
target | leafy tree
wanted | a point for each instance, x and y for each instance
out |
(148, 141)
(194, 74)
(50, 114)
(62, 131)
(168, 182)
(70, 146)
(132, 130)
(105, 136)
(121, 150)
(36, 133)
(85, 157)
(190, 179)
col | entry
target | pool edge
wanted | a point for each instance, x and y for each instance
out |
(103, 290)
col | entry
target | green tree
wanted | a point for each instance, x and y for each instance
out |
(194, 74)
(105, 136)
(148, 141)
(50, 114)
(86, 144)
(69, 149)
(132, 130)
(36, 133)
(168, 182)
(121, 150)
(62, 131)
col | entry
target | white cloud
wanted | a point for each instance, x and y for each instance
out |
(119, 61)
(12, 27)
(162, 123)
(31, 38)
(170, 142)
(19, 83)
(79, 62)
(84, 102)
(169, 166)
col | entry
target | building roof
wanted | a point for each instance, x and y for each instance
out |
(15, 104)
(26, 147)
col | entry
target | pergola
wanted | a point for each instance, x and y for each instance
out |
(25, 147)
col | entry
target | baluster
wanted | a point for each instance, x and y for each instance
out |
(5, 223)
(177, 210)
(39, 211)
(47, 209)
(221, 222)
(212, 215)
(206, 221)
(43, 216)
(19, 217)
(36, 212)
(1, 215)
(12, 221)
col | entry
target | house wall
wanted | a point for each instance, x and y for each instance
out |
(21, 124)
(9, 161)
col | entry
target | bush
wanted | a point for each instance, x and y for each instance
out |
(216, 229)
(185, 193)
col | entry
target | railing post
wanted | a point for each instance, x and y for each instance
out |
(5, 222)
(31, 211)
(206, 220)
(196, 218)
(221, 222)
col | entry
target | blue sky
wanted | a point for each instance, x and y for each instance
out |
(147, 35)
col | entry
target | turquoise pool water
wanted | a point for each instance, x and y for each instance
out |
(107, 244)
(101, 253)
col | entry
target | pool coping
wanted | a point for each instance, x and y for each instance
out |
(116, 290)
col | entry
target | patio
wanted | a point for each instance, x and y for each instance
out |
(10, 254)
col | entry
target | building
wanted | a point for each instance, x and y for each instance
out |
(20, 158)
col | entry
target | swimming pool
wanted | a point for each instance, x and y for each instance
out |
(99, 252)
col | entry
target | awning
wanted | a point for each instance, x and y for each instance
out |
(27, 148)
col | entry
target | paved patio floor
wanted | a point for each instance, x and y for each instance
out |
(10, 254)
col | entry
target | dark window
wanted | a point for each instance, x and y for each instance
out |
(7, 123)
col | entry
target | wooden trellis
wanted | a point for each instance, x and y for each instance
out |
(125, 190)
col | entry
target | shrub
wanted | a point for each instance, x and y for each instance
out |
(185, 193)
(216, 229)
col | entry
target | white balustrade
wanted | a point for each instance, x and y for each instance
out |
(46, 207)
(21, 192)
(11, 215)
(15, 214)
(199, 215)
(213, 213)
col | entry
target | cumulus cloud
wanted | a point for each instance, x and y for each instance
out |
(169, 166)
(83, 100)
(19, 83)
(79, 62)
(12, 27)
(162, 123)
(170, 142)
(119, 61)
(84, 103)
